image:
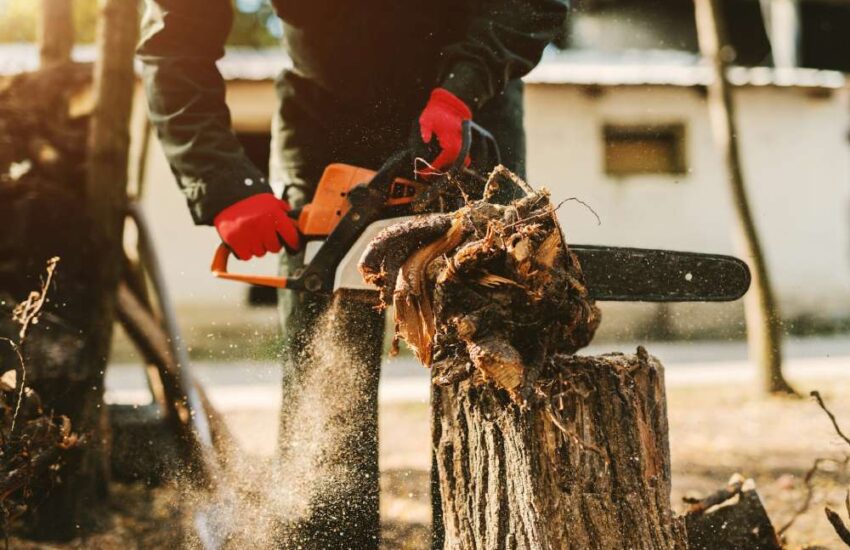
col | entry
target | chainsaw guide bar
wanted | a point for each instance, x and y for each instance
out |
(644, 275)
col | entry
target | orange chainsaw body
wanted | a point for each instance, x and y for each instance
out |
(330, 203)
(319, 218)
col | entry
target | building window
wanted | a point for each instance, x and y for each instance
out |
(644, 149)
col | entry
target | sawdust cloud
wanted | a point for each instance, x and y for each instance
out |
(274, 503)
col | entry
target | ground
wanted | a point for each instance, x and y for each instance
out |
(718, 426)
(714, 432)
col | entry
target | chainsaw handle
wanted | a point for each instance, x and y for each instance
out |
(223, 253)
(467, 129)
(366, 202)
(219, 270)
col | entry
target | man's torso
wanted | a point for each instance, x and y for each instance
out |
(371, 49)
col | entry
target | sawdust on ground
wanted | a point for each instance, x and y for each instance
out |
(714, 432)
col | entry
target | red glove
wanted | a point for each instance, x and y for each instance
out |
(443, 117)
(256, 225)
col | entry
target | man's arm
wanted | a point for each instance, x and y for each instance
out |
(504, 42)
(181, 41)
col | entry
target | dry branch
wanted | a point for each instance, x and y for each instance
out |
(808, 483)
(808, 479)
(32, 442)
(833, 517)
(822, 405)
(838, 524)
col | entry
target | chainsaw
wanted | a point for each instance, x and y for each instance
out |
(352, 205)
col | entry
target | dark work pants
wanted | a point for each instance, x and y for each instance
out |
(311, 130)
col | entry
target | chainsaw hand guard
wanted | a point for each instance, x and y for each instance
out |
(219, 269)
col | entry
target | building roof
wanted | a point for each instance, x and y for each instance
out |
(665, 68)
(570, 67)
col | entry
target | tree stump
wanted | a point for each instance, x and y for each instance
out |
(535, 448)
(587, 468)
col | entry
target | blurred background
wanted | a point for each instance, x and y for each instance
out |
(616, 116)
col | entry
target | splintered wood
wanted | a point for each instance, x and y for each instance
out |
(489, 291)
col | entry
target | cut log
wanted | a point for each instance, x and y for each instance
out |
(733, 517)
(588, 467)
(534, 448)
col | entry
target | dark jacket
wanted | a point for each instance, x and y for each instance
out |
(359, 51)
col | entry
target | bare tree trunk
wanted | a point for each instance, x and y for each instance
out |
(763, 320)
(108, 146)
(56, 32)
(73, 505)
(588, 467)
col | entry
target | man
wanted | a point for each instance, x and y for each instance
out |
(364, 73)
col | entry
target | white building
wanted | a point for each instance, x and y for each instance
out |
(631, 137)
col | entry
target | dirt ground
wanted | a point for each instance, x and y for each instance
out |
(714, 432)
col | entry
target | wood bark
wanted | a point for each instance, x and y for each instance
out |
(587, 468)
(764, 328)
(74, 504)
(55, 32)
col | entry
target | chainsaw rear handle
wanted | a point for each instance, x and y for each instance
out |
(222, 255)
(219, 269)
